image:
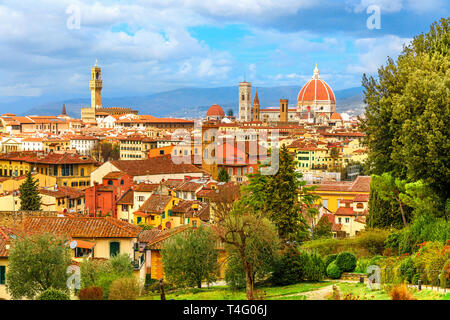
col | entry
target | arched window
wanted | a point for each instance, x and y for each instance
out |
(82, 172)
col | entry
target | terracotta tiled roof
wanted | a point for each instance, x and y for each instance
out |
(361, 198)
(114, 175)
(156, 242)
(149, 235)
(146, 187)
(343, 211)
(189, 186)
(127, 198)
(361, 184)
(63, 158)
(85, 227)
(154, 166)
(5, 239)
(155, 203)
(63, 192)
(172, 183)
(207, 193)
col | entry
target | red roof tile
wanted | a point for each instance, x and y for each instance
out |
(82, 227)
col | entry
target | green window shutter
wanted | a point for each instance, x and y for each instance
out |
(114, 248)
(2, 274)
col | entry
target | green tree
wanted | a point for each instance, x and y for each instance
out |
(190, 258)
(280, 197)
(323, 229)
(382, 213)
(408, 111)
(230, 112)
(391, 189)
(37, 263)
(30, 200)
(246, 232)
(223, 175)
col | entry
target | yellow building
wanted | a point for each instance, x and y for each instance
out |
(56, 145)
(15, 164)
(156, 211)
(11, 184)
(70, 170)
(332, 193)
(63, 199)
(136, 147)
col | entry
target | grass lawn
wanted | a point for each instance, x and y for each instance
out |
(364, 293)
(224, 293)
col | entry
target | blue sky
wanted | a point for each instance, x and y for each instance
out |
(147, 46)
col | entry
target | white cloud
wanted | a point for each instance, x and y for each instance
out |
(374, 52)
(20, 90)
(425, 6)
(389, 6)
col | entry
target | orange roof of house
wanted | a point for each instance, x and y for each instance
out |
(156, 203)
(153, 166)
(344, 211)
(82, 227)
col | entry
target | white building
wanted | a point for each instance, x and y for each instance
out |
(32, 144)
(84, 145)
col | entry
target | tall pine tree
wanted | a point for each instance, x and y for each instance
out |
(30, 200)
(281, 196)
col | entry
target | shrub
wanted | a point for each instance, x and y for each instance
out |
(346, 261)
(365, 244)
(362, 264)
(291, 267)
(401, 292)
(375, 260)
(424, 229)
(53, 294)
(104, 281)
(429, 260)
(329, 259)
(295, 266)
(393, 239)
(91, 293)
(333, 271)
(315, 269)
(124, 289)
(407, 270)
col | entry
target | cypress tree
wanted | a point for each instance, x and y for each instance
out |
(30, 200)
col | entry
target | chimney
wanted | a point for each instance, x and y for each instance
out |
(284, 110)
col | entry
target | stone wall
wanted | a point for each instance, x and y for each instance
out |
(14, 219)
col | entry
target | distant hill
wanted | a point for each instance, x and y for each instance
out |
(194, 102)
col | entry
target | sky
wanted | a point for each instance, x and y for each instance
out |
(144, 46)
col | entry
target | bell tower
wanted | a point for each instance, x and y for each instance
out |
(256, 107)
(284, 105)
(96, 86)
(245, 105)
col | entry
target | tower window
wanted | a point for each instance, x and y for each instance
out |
(243, 97)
